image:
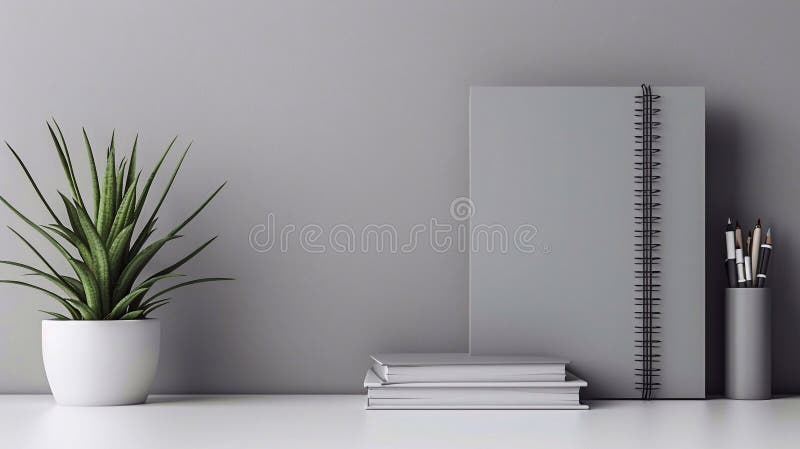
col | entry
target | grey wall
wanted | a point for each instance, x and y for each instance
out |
(356, 112)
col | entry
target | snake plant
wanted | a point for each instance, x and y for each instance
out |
(103, 247)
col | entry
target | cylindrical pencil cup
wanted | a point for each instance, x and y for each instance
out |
(748, 343)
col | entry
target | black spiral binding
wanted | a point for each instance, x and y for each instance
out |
(647, 287)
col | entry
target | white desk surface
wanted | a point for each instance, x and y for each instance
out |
(330, 422)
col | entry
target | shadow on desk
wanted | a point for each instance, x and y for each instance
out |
(183, 399)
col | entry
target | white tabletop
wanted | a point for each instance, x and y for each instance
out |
(198, 422)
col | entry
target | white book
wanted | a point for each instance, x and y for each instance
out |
(477, 407)
(379, 402)
(462, 367)
(474, 395)
(494, 394)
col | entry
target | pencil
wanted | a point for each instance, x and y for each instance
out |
(756, 246)
(739, 252)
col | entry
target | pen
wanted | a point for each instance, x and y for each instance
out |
(739, 253)
(748, 268)
(763, 259)
(730, 261)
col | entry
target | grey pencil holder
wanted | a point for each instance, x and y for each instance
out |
(748, 343)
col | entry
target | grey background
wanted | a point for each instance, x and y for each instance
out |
(356, 112)
(561, 159)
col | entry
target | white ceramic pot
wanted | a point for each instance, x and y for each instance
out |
(100, 362)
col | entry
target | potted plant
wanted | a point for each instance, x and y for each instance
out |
(102, 348)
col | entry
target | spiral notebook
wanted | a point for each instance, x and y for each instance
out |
(588, 233)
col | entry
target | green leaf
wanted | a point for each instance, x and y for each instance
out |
(123, 212)
(130, 217)
(151, 303)
(154, 306)
(132, 165)
(93, 172)
(116, 253)
(149, 282)
(119, 308)
(136, 265)
(106, 215)
(118, 187)
(58, 282)
(86, 312)
(77, 191)
(66, 161)
(76, 286)
(72, 282)
(164, 194)
(47, 292)
(98, 249)
(90, 287)
(57, 316)
(75, 241)
(38, 228)
(184, 284)
(72, 213)
(35, 251)
(60, 152)
(148, 230)
(146, 189)
(136, 314)
(191, 217)
(179, 263)
(33, 183)
(68, 301)
(198, 210)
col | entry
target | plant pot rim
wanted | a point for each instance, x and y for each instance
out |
(53, 320)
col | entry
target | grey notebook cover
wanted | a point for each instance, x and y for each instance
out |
(458, 358)
(559, 161)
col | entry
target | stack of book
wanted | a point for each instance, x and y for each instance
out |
(463, 381)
